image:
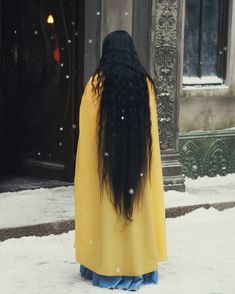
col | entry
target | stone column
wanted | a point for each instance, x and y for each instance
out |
(116, 15)
(165, 67)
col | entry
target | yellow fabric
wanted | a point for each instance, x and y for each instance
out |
(103, 242)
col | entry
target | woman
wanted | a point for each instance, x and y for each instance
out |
(120, 232)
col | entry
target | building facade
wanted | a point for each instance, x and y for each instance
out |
(207, 94)
(49, 49)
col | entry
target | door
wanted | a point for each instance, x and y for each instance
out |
(39, 74)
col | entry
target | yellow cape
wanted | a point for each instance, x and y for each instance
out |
(103, 242)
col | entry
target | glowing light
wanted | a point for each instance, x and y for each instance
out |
(50, 19)
(57, 54)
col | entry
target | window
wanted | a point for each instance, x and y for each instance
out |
(205, 41)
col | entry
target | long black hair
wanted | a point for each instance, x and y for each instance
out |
(123, 122)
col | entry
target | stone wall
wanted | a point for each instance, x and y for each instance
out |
(207, 121)
(211, 107)
(102, 17)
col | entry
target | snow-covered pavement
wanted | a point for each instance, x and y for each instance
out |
(201, 251)
(203, 190)
(31, 207)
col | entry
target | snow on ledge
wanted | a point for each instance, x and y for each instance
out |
(205, 80)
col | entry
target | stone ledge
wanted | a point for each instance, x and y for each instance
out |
(45, 229)
(65, 226)
(182, 210)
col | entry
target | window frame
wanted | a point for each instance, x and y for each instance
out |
(221, 68)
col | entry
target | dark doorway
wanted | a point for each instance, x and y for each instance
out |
(41, 82)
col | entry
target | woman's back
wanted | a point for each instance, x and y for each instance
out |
(113, 235)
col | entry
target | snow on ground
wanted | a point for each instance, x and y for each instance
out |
(201, 260)
(203, 190)
(30, 207)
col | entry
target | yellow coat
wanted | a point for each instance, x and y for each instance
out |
(103, 243)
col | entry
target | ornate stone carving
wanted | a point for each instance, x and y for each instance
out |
(217, 160)
(209, 156)
(192, 160)
(233, 162)
(165, 70)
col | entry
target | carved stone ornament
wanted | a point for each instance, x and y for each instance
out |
(165, 70)
(217, 159)
(192, 160)
(233, 162)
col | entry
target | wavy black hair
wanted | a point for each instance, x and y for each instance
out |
(123, 123)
